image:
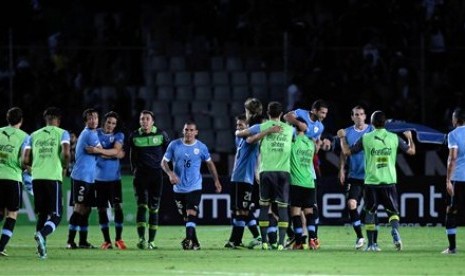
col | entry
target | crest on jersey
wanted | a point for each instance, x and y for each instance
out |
(112, 139)
(315, 129)
(196, 151)
(156, 139)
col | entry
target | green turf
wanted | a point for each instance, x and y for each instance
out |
(336, 256)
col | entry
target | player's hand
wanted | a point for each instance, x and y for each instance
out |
(275, 129)
(326, 144)
(408, 134)
(218, 186)
(342, 177)
(449, 188)
(173, 178)
(92, 150)
(341, 133)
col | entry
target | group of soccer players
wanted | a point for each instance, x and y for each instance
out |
(276, 153)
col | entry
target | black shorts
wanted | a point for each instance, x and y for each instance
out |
(457, 201)
(187, 201)
(148, 187)
(47, 196)
(241, 196)
(11, 193)
(108, 193)
(354, 189)
(381, 194)
(302, 197)
(82, 193)
(274, 187)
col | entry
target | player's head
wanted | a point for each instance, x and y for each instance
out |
(358, 115)
(320, 109)
(111, 121)
(90, 117)
(274, 110)
(253, 107)
(458, 117)
(378, 119)
(189, 132)
(52, 115)
(146, 120)
(241, 122)
(14, 116)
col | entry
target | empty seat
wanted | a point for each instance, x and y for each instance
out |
(161, 108)
(240, 93)
(220, 78)
(180, 108)
(222, 122)
(164, 78)
(184, 93)
(277, 78)
(108, 92)
(182, 78)
(200, 107)
(225, 141)
(201, 78)
(258, 78)
(177, 63)
(146, 93)
(260, 92)
(165, 93)
(216, 63)
(203, 93)
(222, 93)
(253, 64)
(236, 107)
(202, 121)
(159, 63)
(207, 136)
(239, 78)
(219, 108)
(234, 64)
(163, 122)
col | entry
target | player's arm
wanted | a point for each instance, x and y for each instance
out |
(212, 168)
(291, 118)
(451, 164)
(166, 168)
(411, 145)
(346, 150)
(342, 170)
(257, 137)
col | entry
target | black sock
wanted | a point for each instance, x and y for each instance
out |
(356, 223)
(153, 224)
(74, 221)
(7, 232)
(141, 222)
(84, 229)
(119, 219)
(104, 225)
(264, 222)
(251, 223)
(297, 223)
(190, 228)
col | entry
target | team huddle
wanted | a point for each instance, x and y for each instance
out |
(275, 171)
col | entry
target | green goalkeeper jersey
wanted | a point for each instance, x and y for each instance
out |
(12, 143)
(302, 172)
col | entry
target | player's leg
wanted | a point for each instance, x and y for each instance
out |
(453, 203)
(102, 190)
(154, 196)
(11, 196)
(354, 192)
(388, 197)
(192, 205)
(117, 201)
(371, 206)
(89, 202)
(140, 190)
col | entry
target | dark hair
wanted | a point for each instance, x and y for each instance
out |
(190, 122)
(111, 114)
(356, 107)
(14, 115)
(149, 113)
(52, 113)
(459, 114)
(254, 106)
(241, 117)
(378, 119)
(319, 104)
(88, 112)
(274, 109)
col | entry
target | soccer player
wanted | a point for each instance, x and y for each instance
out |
(12, 143)
(353, 185)
(275, 153)
(242, 184)
(108, 178)
(187, 154)
(380, 149)
(146, 148)
(455, 179)
(48, 154)
(302, 190)
(313, 128)
(82, 181)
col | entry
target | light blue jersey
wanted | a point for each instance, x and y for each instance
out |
(357, 160)
(314, 128)
(84, 167)
(108, 169)
(456, 139)
(187, 160)
(245, 161)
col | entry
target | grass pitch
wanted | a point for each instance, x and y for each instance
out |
(421, 255)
